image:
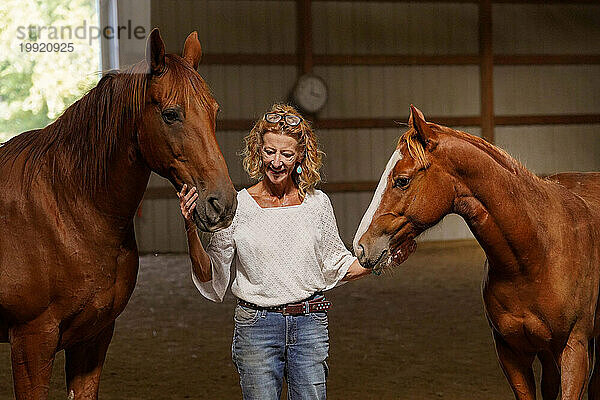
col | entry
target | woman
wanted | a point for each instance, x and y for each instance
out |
(286, 250)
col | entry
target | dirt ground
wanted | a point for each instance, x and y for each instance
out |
(418, 332)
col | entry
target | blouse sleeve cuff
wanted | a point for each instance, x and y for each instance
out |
(341, 272)
(215, 288)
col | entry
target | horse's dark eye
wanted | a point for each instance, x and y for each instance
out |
(170, 116)
(401, 182)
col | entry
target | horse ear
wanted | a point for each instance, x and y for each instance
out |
(424, 133)
(155, 52)
(192, 50)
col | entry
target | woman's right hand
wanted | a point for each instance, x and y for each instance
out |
(200, 260)
(187, 201)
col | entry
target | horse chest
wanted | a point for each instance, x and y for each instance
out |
(103, 297)
(115, 294)
(519, 321)
(118, 285)
(523, 330)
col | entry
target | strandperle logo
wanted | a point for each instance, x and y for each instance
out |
(84, 31)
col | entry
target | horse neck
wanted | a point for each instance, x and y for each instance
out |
(501, 202)
(127, 178)
(115, 180)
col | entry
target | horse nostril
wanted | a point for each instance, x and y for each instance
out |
(360, 253)
(216, 208)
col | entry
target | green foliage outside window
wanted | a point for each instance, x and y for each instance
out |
(36, 86)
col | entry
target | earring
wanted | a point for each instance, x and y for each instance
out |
(299, 169)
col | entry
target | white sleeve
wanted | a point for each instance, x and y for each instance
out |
(221, 251)
(336, 258)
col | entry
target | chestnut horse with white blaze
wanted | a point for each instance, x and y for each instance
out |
(68, 195)
(541, 238)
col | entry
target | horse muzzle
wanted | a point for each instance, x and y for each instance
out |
(371, 251)
(380, 252)
(215, 212)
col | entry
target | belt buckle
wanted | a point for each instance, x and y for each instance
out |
(284, 310)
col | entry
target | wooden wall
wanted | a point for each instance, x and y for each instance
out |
(378, 58)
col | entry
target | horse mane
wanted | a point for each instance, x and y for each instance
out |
(505, 160)
(79, 146)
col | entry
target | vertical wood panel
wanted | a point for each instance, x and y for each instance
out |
(228, 26)
(547, 28)
(305, 35)
(547, 89)
(247, 91)
(198, 13)
(551, 149)
(358, 91)
(403, 27)
(486, 69)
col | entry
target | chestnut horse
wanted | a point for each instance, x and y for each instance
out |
(68, 195)
(541, 238)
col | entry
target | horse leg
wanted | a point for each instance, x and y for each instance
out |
(517, 367)
(550, 376)
(33, 347)
(574, 368)
(83, 365)
(594, 386)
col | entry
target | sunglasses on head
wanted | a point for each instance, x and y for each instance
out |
(290, 119)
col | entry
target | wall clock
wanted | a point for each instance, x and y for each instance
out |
(310, 93)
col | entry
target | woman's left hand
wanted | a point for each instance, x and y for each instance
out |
(356, 271)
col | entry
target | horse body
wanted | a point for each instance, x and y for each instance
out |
(80, 261)
(68, 271)
(547, 306)
(68, 195)
(541, 237)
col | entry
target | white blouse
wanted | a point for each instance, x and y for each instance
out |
(280, 254)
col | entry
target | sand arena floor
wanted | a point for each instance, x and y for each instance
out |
(418, 332)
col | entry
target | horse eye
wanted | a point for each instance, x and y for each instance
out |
(401, 182)
(170, 116)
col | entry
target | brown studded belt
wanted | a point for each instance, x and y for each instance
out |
(301, 308)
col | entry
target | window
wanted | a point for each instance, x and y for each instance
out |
(49, 57)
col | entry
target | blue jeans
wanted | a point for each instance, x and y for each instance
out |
(269, 346)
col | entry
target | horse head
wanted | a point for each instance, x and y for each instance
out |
(176, 136)
(414, 193)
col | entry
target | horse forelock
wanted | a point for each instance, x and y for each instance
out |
(415, 148)
(188, 87)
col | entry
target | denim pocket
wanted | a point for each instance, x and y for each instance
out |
(245, 316)
(320, 317)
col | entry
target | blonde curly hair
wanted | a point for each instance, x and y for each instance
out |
(308, 147)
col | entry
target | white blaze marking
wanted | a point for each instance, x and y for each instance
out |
(368, 217)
